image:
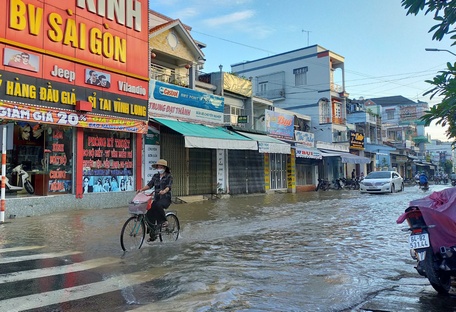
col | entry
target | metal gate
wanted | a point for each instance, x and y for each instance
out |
(202, 171)
(245, 172)
(278, 166)
(172, 148)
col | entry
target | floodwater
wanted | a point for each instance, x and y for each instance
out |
(316, 251)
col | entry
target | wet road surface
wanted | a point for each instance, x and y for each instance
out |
(317, 251)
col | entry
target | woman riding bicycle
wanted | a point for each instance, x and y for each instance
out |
(161, 182)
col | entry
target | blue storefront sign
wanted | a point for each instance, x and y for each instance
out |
(167, 100)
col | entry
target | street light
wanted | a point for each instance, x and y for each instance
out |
(437, 50)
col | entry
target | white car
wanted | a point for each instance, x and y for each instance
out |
(382, 182)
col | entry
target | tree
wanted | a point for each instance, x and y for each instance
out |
(448, 166)
(444, 12)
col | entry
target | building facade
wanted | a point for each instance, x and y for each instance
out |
(310, 81)
(74, 94)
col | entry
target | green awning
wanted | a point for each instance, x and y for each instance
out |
(420, 139)
(204, 136)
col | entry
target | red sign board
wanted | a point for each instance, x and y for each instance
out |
(110, 34)
(101, 45)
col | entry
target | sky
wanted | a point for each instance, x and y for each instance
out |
(384, 49)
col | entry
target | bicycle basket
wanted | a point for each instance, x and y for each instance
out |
(140, 204)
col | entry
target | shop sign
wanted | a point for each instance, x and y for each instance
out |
(108, 34)
(242, 119)
(401, 159)
(356, 140)
(279, 125)
(169, 100)
(29, 90)
(305, 138)
(304, 152)
(332, 146)
(55, 116)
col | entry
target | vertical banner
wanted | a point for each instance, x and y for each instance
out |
(267, 173)
(221, 181)
(151, 152)
(291, 171)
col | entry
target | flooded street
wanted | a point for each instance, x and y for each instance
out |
(316, 251)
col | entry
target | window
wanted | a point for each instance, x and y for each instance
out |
(263, 88)
(325, 112)
(390, 114)
(236, 111)
(300, 76)
(271, 86)
(337, 110)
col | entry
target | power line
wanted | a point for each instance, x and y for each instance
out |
(234, 42)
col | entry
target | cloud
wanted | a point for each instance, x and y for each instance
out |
(186, 13)
(230, 18)
(258, 31)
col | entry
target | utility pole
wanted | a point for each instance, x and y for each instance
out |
(308, 32)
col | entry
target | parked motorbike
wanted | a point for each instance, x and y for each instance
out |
(322, 185)
(432, 240)
(453, 182)
(338, 184)
(351, 184)
(23, 182)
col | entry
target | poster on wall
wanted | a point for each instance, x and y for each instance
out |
(107, 162)
(57, 158)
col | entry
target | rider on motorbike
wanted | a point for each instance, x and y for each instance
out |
(423, 179)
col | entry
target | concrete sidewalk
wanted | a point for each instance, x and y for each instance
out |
(25, 205)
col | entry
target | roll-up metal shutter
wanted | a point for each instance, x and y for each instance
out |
(246, 172)
(172, 148)
(202, 171)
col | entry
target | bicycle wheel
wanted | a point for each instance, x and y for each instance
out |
(171, 232)
(133, 232)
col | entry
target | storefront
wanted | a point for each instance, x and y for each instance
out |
(336, 159)
(74, 116)
(200, 156)
(307, 161)
(275, 158)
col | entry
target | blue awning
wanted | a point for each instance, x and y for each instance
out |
(347, 158)
(204, 136)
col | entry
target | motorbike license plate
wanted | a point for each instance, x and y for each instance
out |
(419, 241)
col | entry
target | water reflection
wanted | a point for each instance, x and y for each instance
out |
(316, 251)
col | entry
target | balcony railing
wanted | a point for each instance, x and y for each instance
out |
(272, 94)
(168, 75)
(340, 136)
(336, 88)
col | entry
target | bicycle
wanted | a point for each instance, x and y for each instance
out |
(134, 229)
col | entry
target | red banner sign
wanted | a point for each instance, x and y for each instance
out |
(62, 117)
